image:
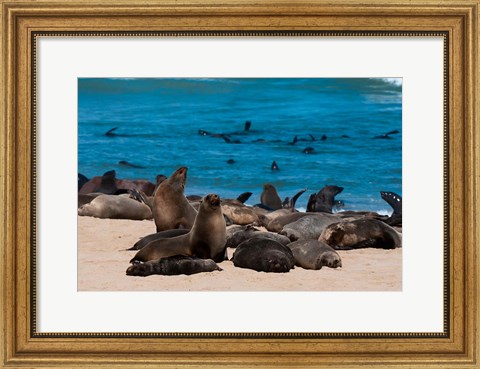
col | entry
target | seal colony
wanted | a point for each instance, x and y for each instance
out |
(193, 234)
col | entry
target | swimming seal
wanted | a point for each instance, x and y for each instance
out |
(205, 240)
(313, 254)
(170, 208)
(361, 233)
(173, 265)
(263, 255)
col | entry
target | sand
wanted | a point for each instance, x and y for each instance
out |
(103, 260)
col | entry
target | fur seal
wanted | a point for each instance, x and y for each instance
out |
(263, 255)
(270, 198)
(324, 200)
(274, 166)
(205, 240)
(361, 233)
(109, 184)
(240, 234)
(313, 254)
(81, 180)
(308, 150)
(115, 207)
(156, 236)
(387, 135)
(395, 201)
(130, 165)
(239, 213)
(170, 208)
(308, 227)
(173, 265)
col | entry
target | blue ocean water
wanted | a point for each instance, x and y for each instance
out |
(158, 122)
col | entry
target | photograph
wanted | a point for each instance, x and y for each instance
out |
(240, 184)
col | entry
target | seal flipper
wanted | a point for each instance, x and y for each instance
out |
(395, 201)
(110, 132)
(244, 197)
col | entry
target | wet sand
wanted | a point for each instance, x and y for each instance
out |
(103, 260)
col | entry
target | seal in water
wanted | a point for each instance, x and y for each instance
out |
(205, 240)
(263, 255)
(395, 201)
(313, 254)
(324, 200)
(173, 265)
(171, 208)
(361, 233)
(270, 198)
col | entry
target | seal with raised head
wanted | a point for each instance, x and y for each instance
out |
(263, 255)
(173, 265)
(313, 254)
(270, 198)
(395, 201)
(324, 200)
(206, 239)
(115, 207)
(361, 233)
(171, 209)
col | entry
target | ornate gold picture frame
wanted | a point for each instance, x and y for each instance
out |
(24, 21)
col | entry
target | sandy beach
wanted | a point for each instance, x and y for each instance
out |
(103, 260)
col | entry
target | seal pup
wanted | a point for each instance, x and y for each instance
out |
(263, 255)
(313, 254)
(171, 208)
(361, 233)
(173, 265)
(206, 239)
(308, 227)
(324, 200)
(115, 207)
(395, 201)
(156, 236)
(270, 198)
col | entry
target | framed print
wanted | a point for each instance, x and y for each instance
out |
(275, 184)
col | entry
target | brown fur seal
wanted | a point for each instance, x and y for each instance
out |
(361, 233)
(171, 209)
(115, 207)
(109, 184)
(173, 265)
(205, 240)
(270, 198)
(263, 255)
(239, 213)
(156, 236)
(308, 227)
(313, 254)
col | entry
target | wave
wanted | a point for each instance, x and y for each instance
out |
(393, 81)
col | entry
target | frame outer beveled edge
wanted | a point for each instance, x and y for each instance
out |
(9, 144)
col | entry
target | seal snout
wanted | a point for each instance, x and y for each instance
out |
(213, 199)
